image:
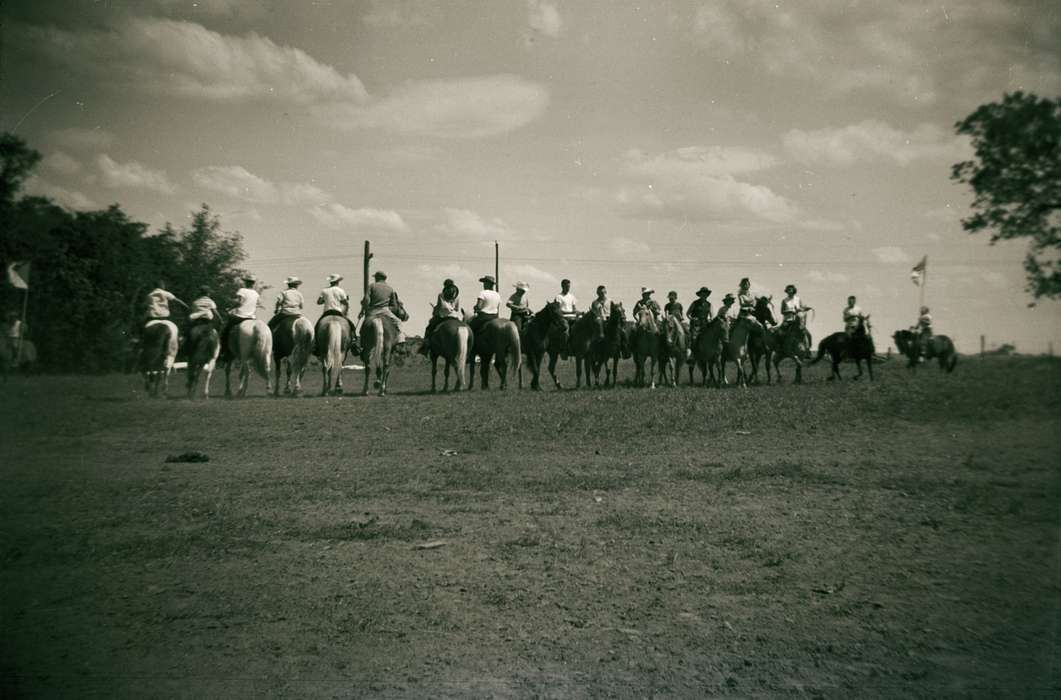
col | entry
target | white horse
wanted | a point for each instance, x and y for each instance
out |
(158, 351)
(251, 342)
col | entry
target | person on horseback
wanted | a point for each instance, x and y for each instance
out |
(244, 309)
(699, 313)
(924, 333)
(12, 335)
(487, 304)
(336, 302)
(647, 302)
(793, 314)
(601, 308)
(852, 316)
(158, 301)
(381, 300)
(203, 310)
(568, 309)
(673, 307)
(745, 299)
(519, 306)
(447, 305)
(288, 303)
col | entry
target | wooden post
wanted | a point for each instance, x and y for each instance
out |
(497, 267)
(983, 343)
(364, 279)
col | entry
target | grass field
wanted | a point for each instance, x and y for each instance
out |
(899, 538)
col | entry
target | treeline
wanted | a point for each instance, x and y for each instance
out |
(90, 271)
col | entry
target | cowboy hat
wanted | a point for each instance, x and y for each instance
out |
(488, 278)
(292, 281)
(379, 275)
(790, 286)
(703, 290)
(647, 290)
(333, 278)
(248, 278)
(728, 299)
(522, 285)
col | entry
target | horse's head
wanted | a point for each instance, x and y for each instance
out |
(400, 312)
(764, 311)
(646, 321)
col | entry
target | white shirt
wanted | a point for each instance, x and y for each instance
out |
(488, 302)
(567, 303)
(204, 307)
(158, 303)
(333, 299)
(289, 301)
(791, 306)
(247, 303)
(852, 314)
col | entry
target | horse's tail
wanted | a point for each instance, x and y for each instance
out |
(464, 341)
(302, 337)
(375, 358)
(515, 350)
(821, 352)
(333, 352)
(262, 348)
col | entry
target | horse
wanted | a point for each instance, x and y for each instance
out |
(761, 342)
(609, 347)
(673, 349)
(332, 341)
(452, 340)
(644, 343)
(379, 336)
(788, 341)
(252, 342)
(497, 340)
(292, 345)
(585, 332)
(735, 348)
(707, 352)
(939, 346)
(858, 346)
(545, 333)
(158, 352)
(204, 344)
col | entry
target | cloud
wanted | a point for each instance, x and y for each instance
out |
(303, 193)
(828, 277)
(83, 139)
(133, 175)
(627, 247)
(72, 199)
(468, 224)
(244, 9)
(237, 182)
(385, 14)
(544, 17)
(697, 183)
(530, 274)
(336, 216)
(891, 255)
(870, 141)
(61, 163)
(460, 108)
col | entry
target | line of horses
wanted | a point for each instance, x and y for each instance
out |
(659, 349)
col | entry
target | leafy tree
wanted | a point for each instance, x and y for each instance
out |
(1016, 180)
(205, 255)
(16, 161)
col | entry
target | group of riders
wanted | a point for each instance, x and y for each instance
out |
(381, 300)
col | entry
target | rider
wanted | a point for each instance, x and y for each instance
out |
(723, 314)
(852, 315)
(381, 300)
(794, 312)
(336, 302)
(203, 310)
(673, 307)
(288, 303)
(158, 303)
(245, 308)
(699, 312)
(487, 304)
(12, 333)
(447, 305)
(745, 299)
(647, 302)
(601, 308)
(568, 308)
(924, 329)
(519, 307)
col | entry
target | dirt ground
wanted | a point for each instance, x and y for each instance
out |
(893, 539)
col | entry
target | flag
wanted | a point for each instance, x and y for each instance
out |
(918, 273)
(18, 275)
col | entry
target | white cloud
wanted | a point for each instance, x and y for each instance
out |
(72, 199)
(530, 274)
(133, 175)
(697, 183)
(544, 17)
(237, 182)
(460, 108)
(401, 13)
(828, 277)
(628, 247)
(336, 216)
(874, 141)
(83, 139)
(61, 163)
(891, 255)
(303, 193)
(469, 224)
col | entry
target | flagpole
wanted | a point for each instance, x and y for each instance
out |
(924, 281)
(22, 327)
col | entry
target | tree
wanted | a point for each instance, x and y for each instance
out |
(1016, 180)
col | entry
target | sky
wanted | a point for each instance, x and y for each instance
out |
(667, 144)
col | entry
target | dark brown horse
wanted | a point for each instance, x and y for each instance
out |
(939, 347)
(453, 341)
(586, 331)
(158, 351)
(610, 347)
(545, 333)
(789, 340)
(498, 340)
(673, 350)
(707, 352)
(293, 346)
(761, 342)
(736, 348)
(204, 344)
(858, 346)
(644, 342)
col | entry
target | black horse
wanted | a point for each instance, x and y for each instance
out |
(840, 346)
(609, 348)
(939, 347)
(545, 332)
(762, 343)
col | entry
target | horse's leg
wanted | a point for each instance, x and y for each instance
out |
(799, 369)
(501, 366)
(228, 379)
(552, 369)
(869, 366)
(208, 373)
(368, 375)
(325, 377)
(385, 372)
(434, 373)
(244, 377)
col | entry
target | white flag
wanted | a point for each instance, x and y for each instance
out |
(918, 273)
(18, 275)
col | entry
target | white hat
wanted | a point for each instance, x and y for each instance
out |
(648, 290)
(248, 278)
(333, 278)
(292, 281)
(522, 285)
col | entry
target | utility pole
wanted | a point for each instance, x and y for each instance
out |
(497, 266)
(364, 279)
(983, 345)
